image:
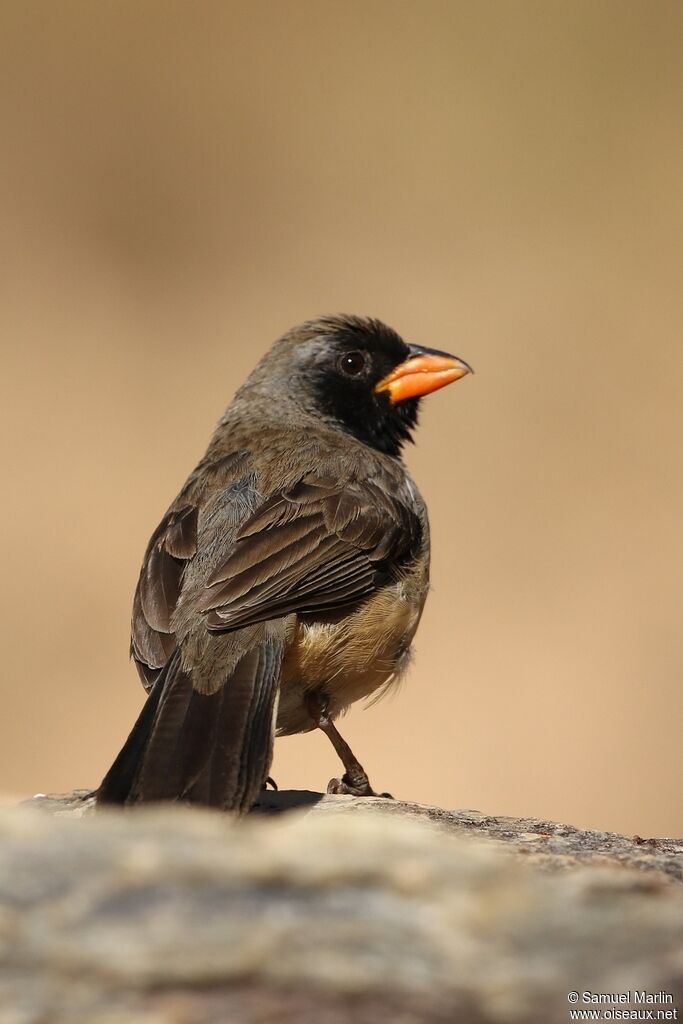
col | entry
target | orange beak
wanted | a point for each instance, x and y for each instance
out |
(426, 370)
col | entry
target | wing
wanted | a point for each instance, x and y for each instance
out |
(172, 546)
(312, 548)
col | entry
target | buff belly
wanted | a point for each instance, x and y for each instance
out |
(351, 655)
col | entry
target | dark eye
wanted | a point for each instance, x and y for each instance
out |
(352, 363)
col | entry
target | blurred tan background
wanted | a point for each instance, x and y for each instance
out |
(181, 182)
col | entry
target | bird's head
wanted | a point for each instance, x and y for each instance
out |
(357, 373)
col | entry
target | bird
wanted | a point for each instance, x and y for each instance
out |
(287, 579)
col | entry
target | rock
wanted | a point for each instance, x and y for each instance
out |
(349, 910)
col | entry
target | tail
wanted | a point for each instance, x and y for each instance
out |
(213, 749)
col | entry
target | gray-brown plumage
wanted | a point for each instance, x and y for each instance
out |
(288, 577)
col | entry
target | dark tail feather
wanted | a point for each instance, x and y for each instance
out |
(212, 749)
(116, 786)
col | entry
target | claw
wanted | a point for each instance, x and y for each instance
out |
(363, 788)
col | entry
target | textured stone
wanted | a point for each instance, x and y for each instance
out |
(358, 910)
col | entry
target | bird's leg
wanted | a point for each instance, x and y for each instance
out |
(355, 779)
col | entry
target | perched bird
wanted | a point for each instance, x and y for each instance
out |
(287, 579)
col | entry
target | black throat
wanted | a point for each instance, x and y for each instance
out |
(371, 418)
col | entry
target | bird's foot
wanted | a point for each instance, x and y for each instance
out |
(355, 787)
(270, 782)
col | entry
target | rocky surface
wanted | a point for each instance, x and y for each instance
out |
(349, 910)
(545, 844)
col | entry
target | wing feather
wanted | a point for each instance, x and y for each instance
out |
(172, 545)
(312, 548)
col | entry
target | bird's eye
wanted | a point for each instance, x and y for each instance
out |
(352, 363)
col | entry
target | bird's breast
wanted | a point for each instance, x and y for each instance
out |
(353, 653)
